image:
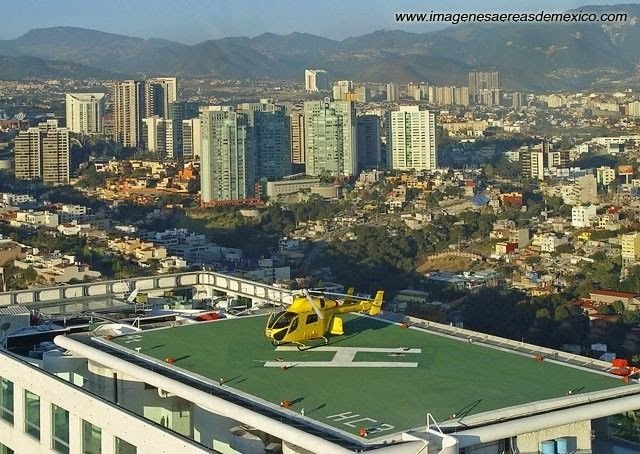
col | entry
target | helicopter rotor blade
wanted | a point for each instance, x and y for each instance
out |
(313, 304)
(342, 295)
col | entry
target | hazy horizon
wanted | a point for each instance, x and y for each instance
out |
(193, 21)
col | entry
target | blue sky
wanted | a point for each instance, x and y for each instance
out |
(191, 21)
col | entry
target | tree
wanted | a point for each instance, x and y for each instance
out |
(618, 307)
(606, 309)
(533, 260)
(543, 313)
(561, 313)
(554, 203)
(90, 178)
(631, 283)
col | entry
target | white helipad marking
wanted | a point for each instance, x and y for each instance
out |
(344, 357)
(354, 420)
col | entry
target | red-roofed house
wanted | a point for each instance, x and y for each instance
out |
(630, 300)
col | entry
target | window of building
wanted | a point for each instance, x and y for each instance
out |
(5, 450)
(124, 447)
(91, 438)
(32, 414)
(59, 429)
(6, 400)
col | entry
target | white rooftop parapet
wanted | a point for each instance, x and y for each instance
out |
(535, 423)
(218, 405)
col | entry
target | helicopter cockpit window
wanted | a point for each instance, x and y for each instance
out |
(294, 325)
(312, 318)
(283, 319)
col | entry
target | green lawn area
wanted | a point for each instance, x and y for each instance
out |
(451, 376)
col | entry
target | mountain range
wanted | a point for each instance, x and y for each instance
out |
(536, 56)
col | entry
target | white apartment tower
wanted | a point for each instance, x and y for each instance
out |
(42, 152)
(412, 139)
(330, 138)
(158, 136)
(316, 80)
(393, 92)
(84, 112)
(191, 140)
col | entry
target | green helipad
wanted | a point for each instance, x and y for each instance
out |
(378, 375)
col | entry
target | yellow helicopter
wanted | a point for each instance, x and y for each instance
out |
(312, 315)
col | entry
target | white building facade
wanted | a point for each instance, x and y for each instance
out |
(85, 112)
(412, 139)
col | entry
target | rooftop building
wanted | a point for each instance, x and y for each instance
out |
(385, 386)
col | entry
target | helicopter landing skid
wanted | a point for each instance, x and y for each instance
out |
(303, 347)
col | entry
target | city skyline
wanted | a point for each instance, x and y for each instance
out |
(191, 22)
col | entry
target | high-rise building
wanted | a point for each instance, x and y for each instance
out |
(484, 87)
(557, 158)
(330, 138)
(160, 92)
(483, 80)
(360, 94)
(368, 143)
(179, 111)
(414, 90)
(228, 159)
(85, 112)
(445, 96)
(128, 112)
(489, 97)
(633, 109)
(341, 88)
(191, 138)
(316, 80)
(393, 92)
(42, 152)
(518, 100)
(535, 163)
(296, 119)
(28, 154)
(157, 134)
(412, 139)
(532, 164)
(461, 96)
(270, 123)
